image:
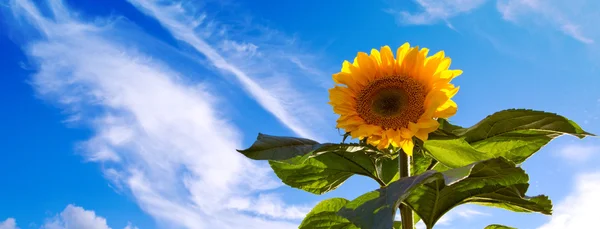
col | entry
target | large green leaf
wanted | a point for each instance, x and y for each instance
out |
(324, 216)
(327, 170)
(319, 168)
(514, 134)
(376, 209)
(420, 162)
(485, 182)
(498, 226)
(268, 147)
(495, 182)
(513, 198)
(454, 152)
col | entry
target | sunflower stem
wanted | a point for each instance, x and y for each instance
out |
(406, 213)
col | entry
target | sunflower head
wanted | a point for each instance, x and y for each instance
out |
(388, 101)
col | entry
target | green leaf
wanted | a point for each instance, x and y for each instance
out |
(514, 199)
(454, 153)
(495, 182)
(498, 226)
(485, 182)
(420, 162)
(514, 134)
(267, 147)
(376, 209)
(319, 168)
(324, 216)
(520, 119)
(324, 171)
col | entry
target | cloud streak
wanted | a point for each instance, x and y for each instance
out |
(9, 223)
(74, 217)
(578, 209)
(557, 13)
(433, 11)
(573, 18)
(578, 153)
(158, 134)
(239, 59)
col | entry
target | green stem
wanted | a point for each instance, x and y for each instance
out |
(406, 213)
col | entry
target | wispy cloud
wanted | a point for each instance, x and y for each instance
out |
(129, 226)
(464, 212)
(434, 11)
(573, 18)
(567, 16)
(158, 134)
(74, 217)
(260, 70)
(579, 208)
(270, 205)
(9, 223)
(578, 152)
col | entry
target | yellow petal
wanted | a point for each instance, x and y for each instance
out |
(451, 91)
(408, 133)
(343, 108)
(376, 56)
(340, 95)
(387, 61)
(394, 136)
(383, 143)
(425, 126)
(419, 62)
(431, 65)
(428, 124)
(444, 64)
(347, 79)
(451, 74)
(407, 146)
(423, 135)
(351, 120)
(359, 74)
(367, 66)
(409, 61)
(366, 130)
(346, 67)
(434, 100)
(347, 128)
(400, 54)
(447, 110)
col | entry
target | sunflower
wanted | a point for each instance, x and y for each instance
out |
(388, 101)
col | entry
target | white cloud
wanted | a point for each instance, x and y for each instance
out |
(578, 153)
(269, 205)
(579, 208)
(573, 18)
(129, 226)
(462, 212)
(74, 217)
(261, 76)
(570, 17)
(465, 212)
(9, 223)
(158, 134)
(433, 11)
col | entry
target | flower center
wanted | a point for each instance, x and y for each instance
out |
(392, 102)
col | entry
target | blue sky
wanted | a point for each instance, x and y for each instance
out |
(127, 114)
